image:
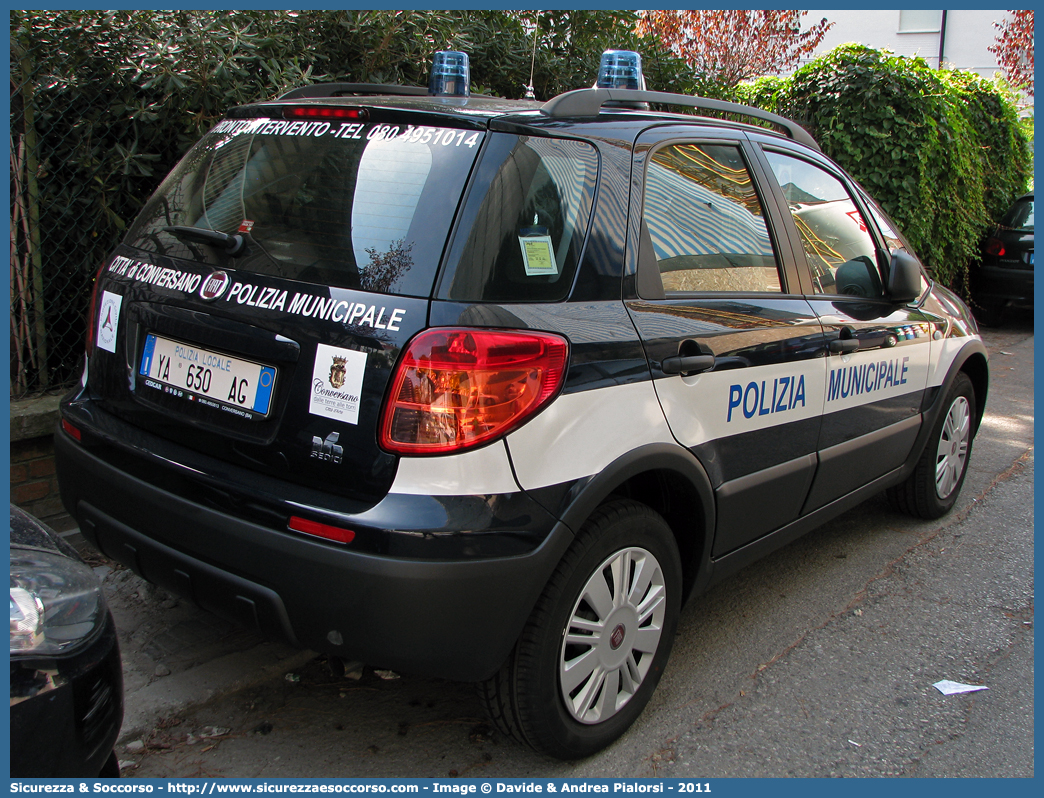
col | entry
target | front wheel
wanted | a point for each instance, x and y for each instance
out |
(936, 482)
(596, 644)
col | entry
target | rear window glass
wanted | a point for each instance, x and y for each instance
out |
(1019, 216)
(524, 223)
(361, 205)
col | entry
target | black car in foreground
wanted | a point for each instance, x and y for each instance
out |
(66, 675)
(486, 389)
(1004, 277)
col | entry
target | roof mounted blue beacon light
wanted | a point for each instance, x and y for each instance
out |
(620, 69)
(450, 74)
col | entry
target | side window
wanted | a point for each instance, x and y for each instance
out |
(526, 229)
(840, 251)
(887, 228)
(705, 221)
(884, 224)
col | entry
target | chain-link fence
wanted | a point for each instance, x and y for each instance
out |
(60, 230)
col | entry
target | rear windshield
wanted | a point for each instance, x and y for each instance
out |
(357, 205)
(1020, 215)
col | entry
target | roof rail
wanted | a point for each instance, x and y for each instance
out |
(588, 102)
(342, 89)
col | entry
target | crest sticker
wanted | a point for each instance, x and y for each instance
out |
(338, 372)
(108, 320)
(337, 378)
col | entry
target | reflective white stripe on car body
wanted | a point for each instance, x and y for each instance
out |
(483, 471)
(591, 429)
(862, 378)
(742, 400)
(580, 434)
(758, 397)
(944, 352)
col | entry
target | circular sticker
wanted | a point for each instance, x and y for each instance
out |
(214, 286)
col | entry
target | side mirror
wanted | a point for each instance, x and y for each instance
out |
(904, 277)
(858, 277)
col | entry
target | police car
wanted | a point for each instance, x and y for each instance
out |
(486, 389)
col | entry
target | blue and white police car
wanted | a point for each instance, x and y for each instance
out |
(486, 389)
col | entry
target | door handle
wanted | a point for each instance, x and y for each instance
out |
(689, 364)
(845, 342)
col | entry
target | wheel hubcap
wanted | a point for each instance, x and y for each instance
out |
(953, 447)
(612, 634)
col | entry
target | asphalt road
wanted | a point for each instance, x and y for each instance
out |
(817, 661)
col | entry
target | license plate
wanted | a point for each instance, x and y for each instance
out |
(211, 378)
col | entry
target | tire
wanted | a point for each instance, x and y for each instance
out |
(931, 490)
(552, 693)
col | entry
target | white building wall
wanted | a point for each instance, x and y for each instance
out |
(968, 33)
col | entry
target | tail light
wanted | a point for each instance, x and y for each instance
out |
(456, 389)
(995, 247)
(92, 308)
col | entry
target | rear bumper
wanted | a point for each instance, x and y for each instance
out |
(453, 618)
(995, 283)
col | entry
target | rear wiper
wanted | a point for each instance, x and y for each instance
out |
(230, 245)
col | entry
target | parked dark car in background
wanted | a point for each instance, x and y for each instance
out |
(1004, 278)
(66, 674)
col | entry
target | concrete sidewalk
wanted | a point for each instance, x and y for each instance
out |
(177, 656)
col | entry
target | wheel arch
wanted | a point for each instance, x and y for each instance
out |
(973, 360)
(977, 368)
(670, 480)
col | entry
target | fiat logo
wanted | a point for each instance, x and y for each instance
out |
(617, 637)
(214, 286)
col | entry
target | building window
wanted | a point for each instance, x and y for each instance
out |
(920, 21)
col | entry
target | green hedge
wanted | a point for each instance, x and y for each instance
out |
(943, 151)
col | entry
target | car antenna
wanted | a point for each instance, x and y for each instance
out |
(530, 94)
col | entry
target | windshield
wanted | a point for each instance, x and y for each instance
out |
(361, 205)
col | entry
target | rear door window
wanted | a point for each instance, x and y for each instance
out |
(358, 205)
(524, 224)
